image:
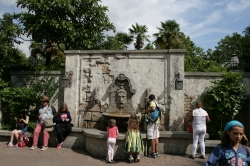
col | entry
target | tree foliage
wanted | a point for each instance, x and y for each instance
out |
(223, 101)
(138, 32)
(76, 24)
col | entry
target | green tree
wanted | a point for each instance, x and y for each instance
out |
(245, 51)
(139, 34)
(124, 39)
(222, 101)
(168, 34)
(75, 24)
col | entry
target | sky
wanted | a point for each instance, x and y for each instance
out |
(206, 22)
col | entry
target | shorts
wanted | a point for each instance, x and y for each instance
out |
(24, 130)
(153, 130)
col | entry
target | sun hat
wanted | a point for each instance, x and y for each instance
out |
(45, 99)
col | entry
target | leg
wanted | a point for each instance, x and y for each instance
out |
(36, 134)
(202, 143)
(113, 148)
(156, 145)
(12, 136)
(59, 133)
(45, 137)
(195, 142)
(153, 146)
(109, 142)
(67, 126)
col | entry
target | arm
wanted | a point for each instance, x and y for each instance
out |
(190, 119)
(207, 118)
(117, 132)
(57, 119)
(151, 107)
(69, 117)
(214, 156)
(26, 121)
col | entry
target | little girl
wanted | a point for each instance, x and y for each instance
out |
(233, 149)
(23, 120)
(133, 141)
(112, 133)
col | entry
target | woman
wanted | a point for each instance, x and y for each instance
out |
(63, 125)
(22, 127)
(199, 118)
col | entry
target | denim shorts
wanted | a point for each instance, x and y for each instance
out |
(24, 130)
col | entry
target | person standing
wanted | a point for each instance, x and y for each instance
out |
(112, 133)
(153, 128)
(133, 141)
(44, 112)
(63, 125)
(233, 149)
(199, 118)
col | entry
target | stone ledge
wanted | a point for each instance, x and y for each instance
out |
(163, 134)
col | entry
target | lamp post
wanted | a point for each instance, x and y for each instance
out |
(234, 61)
(178, 82)
(33, 59)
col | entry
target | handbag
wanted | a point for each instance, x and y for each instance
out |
(20, 126)
(189, 127)
(48, 122)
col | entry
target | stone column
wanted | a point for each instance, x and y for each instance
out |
(71, 93)
(176, 112)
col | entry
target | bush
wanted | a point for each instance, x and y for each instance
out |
(222, 101)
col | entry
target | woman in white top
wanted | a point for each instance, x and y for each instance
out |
(198, 118)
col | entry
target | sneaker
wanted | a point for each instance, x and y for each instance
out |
(16, 145)
(191, 156)
(137, 158)
(33, 147)
(153, 155)
(59, 145)
(44, 148)
(10, 144)
(157, 154)
(131, 159)
(202, 157)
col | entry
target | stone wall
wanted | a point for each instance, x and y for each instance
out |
(146, 69)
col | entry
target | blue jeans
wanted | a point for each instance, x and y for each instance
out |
(24, 130)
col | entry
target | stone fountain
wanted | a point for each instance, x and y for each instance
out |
(120, 107)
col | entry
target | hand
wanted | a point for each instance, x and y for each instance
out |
(39, 117)
(67, 120)
(63, 119)
(20, 120)
(15, 119)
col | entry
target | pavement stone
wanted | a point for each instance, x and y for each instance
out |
(68, 157)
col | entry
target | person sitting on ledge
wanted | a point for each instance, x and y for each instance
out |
(63, 126)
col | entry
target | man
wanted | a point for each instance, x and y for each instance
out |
(153, 128)
(44, 112)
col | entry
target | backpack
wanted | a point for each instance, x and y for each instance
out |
(153, 116)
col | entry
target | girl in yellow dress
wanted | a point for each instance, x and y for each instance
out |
(133, 141)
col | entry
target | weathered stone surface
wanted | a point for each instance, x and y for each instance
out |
(87, 116)
(96, 116)
(94, 125)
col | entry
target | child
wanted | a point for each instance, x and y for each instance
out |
(63, 125)
(133, 141)
(22, 126)
(112, 133)
(233, 149)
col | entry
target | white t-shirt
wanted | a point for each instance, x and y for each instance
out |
(199, 118)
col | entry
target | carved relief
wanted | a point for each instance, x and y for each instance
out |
(121, 93)
(87, 74)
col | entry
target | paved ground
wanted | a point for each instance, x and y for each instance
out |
(67, 157)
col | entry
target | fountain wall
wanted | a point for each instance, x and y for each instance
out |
(92, 73)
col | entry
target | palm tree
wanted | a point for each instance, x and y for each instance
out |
(124, 39)
(167, 36)
(139, 34)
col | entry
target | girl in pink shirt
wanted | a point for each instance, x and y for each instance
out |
(112, 133)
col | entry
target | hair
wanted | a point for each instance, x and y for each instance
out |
(64, 105)
(112, 123)
(133, 122)
(151, 97)
(22, 111)
(198, 105)
(225, 139)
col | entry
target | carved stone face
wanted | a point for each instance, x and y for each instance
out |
(122, 98)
